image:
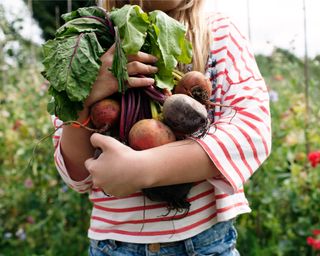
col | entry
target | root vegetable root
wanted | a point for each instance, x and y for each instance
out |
(196, 85)
(184, 115)
(105, 113)
(149, 133)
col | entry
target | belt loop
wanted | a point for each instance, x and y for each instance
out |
(189, 247)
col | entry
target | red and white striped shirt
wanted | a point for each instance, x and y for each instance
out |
(238, 143)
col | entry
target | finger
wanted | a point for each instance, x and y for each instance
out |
(88, 164)
(105, 142)
(140, 82)
(142, 57)
(99, 141)
(136, 67)
(107, 54)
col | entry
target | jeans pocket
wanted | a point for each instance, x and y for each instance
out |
(102, 248)
(224, 246)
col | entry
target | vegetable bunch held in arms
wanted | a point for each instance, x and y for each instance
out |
(72, 62)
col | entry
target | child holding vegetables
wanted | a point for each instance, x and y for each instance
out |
(123, 221)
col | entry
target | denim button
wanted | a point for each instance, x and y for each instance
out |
(154, 247)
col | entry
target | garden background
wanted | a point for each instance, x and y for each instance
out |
(40, 215)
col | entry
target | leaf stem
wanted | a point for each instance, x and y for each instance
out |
(119, 64)
(177, 74)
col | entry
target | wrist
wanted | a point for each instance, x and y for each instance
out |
(145, 170)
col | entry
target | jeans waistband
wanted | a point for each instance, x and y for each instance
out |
(205, 239)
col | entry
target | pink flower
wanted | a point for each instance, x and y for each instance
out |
(30, 220)
(316, 232)
(28, 183)
(17, 124)
(310, 240)
(314, 158)
(316, 245)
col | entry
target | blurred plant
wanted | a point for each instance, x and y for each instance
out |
(35, 215)
(285, 194)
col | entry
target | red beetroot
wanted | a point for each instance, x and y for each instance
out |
(105, 113)
(184, 115)
(149, 133)
(196, 85)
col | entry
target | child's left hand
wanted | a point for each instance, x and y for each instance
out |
(117, 170)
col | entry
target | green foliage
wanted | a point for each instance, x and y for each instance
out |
(156, 33)
(284, 194)
(72, 59)
(38, 213)
(71, 78)
(169, 47)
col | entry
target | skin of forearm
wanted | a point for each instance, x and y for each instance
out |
(76, 148)
(179, 162)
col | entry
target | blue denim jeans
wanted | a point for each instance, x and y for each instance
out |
(219, 240)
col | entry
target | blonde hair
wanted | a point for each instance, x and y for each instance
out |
(189, 14)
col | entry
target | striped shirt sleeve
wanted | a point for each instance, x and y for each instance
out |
(79, 186)
(239, 140)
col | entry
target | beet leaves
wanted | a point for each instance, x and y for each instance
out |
(72, 59)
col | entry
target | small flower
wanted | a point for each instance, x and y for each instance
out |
(274, 97)
(4, 113)
(64, 188)
(314, 242)
(310, 240)
(294, 138)
(314, 158)
(278, 77)
(300, 157)
(21, 234)
(28, 183)
(7, 235)
(17, 124)
(43, 87)
(316, 245)
(53, 183)
(30, 220)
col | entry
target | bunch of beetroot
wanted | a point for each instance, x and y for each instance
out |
(172, 109)
(144, 118)
(184, 111)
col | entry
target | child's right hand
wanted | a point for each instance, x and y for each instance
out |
(106, 84)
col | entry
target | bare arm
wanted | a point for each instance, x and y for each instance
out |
(76, 148)
(121, 170)
(178, 162)
(75, 142)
